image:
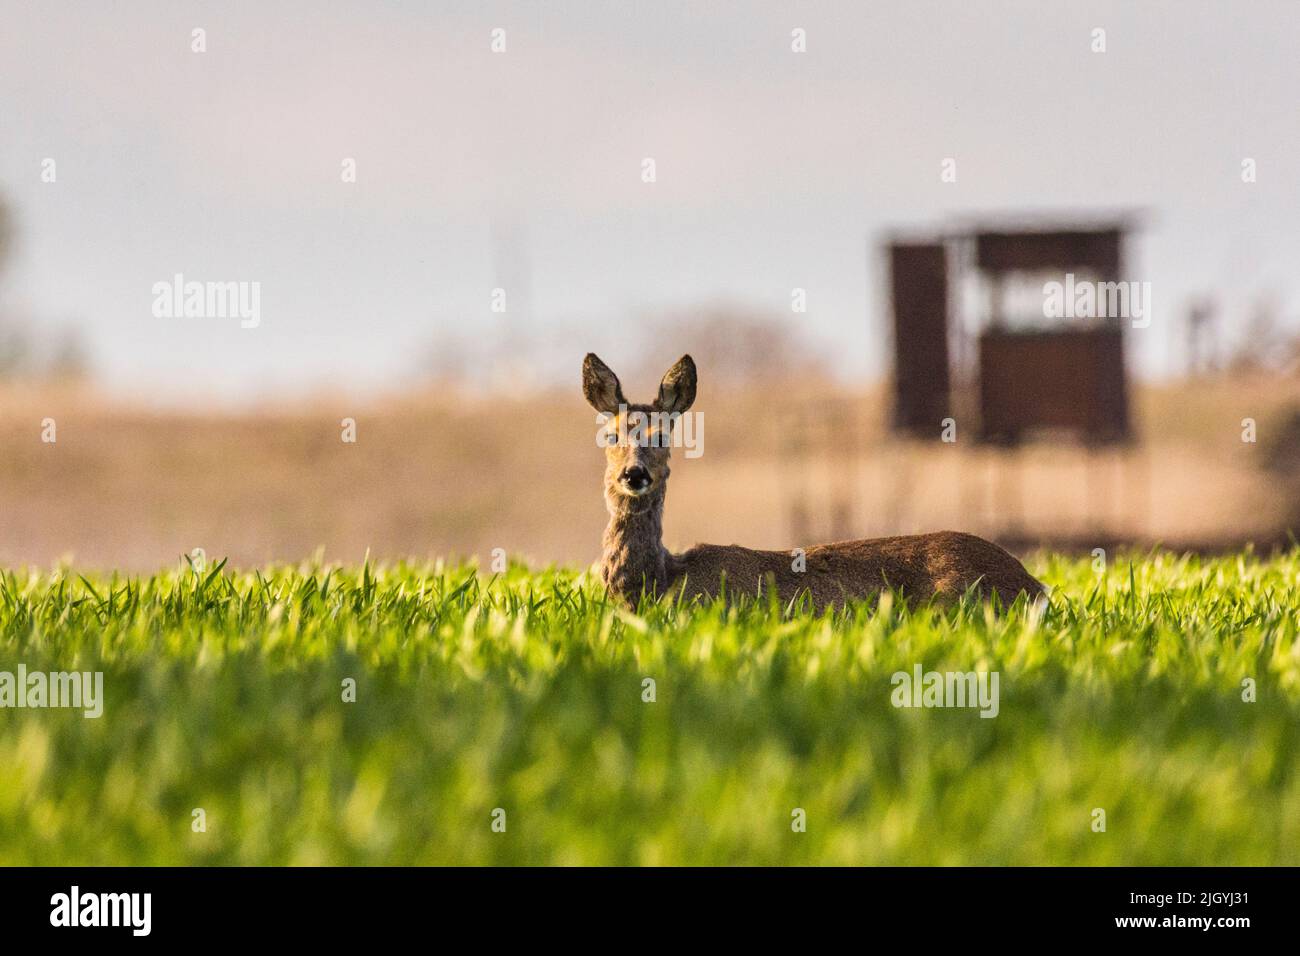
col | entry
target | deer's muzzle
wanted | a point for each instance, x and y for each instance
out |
(635, 479)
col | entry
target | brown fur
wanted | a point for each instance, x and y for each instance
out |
(943, 565)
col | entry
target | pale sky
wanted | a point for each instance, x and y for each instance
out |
(775, 169)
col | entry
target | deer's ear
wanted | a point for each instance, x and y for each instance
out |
(600, 385)
(677, 390)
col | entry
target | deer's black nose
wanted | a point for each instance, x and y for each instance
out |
(636, 478)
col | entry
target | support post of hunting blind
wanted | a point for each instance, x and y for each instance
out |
(842, 452)
(792, 451)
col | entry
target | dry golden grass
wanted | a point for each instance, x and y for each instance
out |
(439, 474)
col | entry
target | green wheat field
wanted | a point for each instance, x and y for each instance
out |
(525, 692)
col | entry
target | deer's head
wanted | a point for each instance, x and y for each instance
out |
(637, 438)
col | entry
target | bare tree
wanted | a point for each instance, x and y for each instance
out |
(6, 234)
(737, 345)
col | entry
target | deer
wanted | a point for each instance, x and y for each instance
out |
(941, 566)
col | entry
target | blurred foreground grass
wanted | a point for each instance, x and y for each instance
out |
(524, 691)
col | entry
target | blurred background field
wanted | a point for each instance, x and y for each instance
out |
(446, 473)
(440, 232)
(525, 692)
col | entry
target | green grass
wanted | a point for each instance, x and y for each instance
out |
(524, 691)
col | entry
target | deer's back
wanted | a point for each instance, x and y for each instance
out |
(945, 564)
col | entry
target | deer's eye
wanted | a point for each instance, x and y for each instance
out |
(611, 439)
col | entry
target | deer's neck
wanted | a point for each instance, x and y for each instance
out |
(634, 558)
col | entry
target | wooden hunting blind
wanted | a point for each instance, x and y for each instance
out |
(1033, 375)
